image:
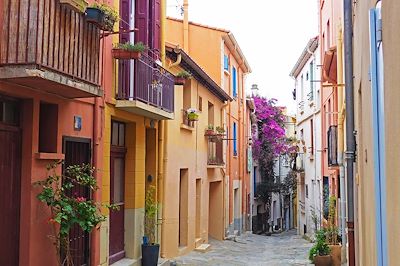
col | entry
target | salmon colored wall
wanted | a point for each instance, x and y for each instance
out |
(34, 229)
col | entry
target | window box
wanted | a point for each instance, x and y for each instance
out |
(209, 132)
(95, 16)
(119, 53)
(180, 81)
(77, 5)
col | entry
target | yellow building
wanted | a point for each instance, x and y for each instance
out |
(194, 161)
(139, 96)
(217, 52)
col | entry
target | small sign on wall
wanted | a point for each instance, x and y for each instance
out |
(77, 122)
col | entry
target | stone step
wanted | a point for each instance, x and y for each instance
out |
(198, 242)
(203, 248)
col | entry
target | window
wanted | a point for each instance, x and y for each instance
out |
(210, 113)
(302, 88)
(332, 146)
(9, 112)
(118, 134)
(234, 82)
(226, 62)
(200, 107)
(311, 76)
(306, 191)
(234, 131)
(48, 121)
(312, 136)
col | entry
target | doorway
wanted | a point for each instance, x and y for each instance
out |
(198, 207)
(10, 180)
(77, 152)
(216, 211)
(183, 207)
(117, 187)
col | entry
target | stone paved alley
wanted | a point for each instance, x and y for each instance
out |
(280, 249)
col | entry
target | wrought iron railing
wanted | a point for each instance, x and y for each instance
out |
(152, 84)
(301, 106)
(215, 151)
(310, 96)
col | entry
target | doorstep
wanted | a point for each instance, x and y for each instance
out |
(126, 262)
(203, 248)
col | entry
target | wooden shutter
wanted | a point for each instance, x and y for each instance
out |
(156, 22)
(141, 21)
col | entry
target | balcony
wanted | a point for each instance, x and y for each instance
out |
(49, 47)
(215, 152)
(301, 107)
(149, 91)
(332, 146)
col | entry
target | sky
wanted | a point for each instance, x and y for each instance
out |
(271, 34)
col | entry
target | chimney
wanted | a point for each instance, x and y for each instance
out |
(186, 26)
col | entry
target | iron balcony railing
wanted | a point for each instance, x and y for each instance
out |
(301, 106)
(215, 151)
(310, 96)
(152, 84)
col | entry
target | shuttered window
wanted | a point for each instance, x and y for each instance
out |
(235, 153)
(226, 62)
(234, 82)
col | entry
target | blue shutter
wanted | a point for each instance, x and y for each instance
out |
(234, 84)
(226, 63)
(234, 140)
(378, 127)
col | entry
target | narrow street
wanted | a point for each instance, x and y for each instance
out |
(280, 249)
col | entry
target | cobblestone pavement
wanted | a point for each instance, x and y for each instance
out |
(279, 249)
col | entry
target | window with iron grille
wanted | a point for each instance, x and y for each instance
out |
(332, 146)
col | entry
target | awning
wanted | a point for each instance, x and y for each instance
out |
(329, 72)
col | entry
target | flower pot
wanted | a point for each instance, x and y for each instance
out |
(180, 81)
(95, 16)
(336, 254)
(77, 5)
(193, 117)
(209, 132)
(323, 260)
(150, 254)
(125, 54)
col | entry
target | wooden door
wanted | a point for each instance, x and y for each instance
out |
(117, 228)
(117, 187)
(10, 157)
(77, 151)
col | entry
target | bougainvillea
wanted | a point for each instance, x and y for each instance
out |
(270, 142)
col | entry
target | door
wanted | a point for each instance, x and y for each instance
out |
(10, 157)
(117, 187)
(77, 151)
(124, 65)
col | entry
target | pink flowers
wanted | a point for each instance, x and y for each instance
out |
(80, 199)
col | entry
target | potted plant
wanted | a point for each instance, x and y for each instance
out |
(150, 249)
(210, 130)
(319, 254)
(77, 5)
(102, 15)
(220, 130)
(332, 234)
(181, 77)
(70, 209)
(192, 114)
(128, 50)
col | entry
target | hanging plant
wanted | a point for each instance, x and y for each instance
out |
(68, 209)
(102, 15)
(77, 5)
(128, 50)
(181, 77)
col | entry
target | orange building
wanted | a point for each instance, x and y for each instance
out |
(223, 60)
(49, 100)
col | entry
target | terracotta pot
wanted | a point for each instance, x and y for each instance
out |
(180, 81)
(323, 260)
(336, 254)
(209, 132)
(125, 54)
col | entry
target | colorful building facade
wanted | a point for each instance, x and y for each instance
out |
(223, 60)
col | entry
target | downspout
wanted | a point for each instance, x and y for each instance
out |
(186, 26)
(162, 143)
(350, 138)
(341, 108)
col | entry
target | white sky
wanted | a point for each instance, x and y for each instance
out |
(271, 34)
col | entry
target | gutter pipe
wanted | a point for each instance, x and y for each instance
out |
(350, 138)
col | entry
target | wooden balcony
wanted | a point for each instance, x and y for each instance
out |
(215, 152)
(149, 91)
(49, 47)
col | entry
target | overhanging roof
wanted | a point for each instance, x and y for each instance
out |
(310, 48)
(197, 72)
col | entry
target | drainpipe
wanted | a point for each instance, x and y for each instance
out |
(161, 142)
(350, 138)
(186, 25)
(341, 108)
